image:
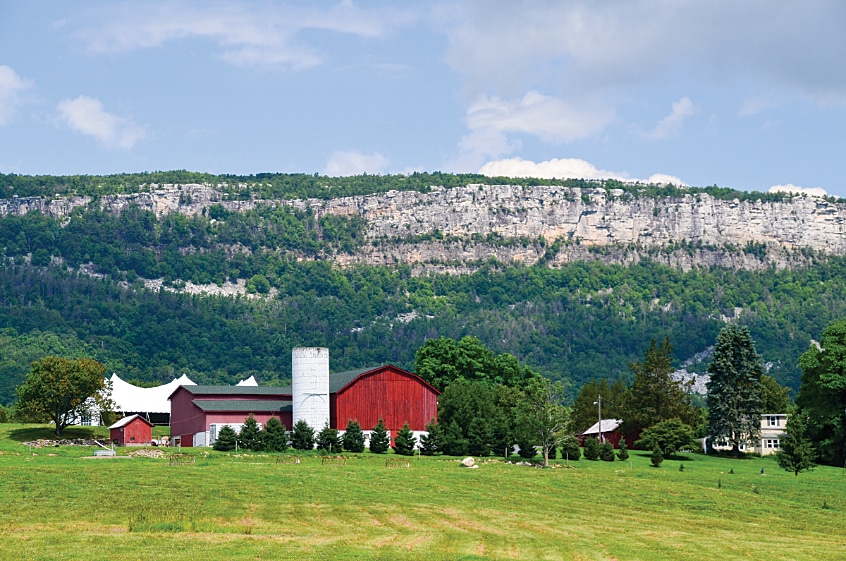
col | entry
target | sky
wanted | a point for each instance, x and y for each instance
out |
(749, 95)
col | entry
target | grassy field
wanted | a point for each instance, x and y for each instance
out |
(58, 503)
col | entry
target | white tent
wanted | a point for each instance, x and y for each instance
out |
(251, 381)
(132, 399)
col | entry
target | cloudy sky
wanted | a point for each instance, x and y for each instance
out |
(748, 94)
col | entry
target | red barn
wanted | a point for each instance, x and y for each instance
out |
(132, 431)
(395, 395)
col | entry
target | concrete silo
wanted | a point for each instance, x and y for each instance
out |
(310, 385)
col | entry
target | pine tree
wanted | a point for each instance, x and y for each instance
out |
(249, 437)
(591, 448)
(379, 438)
(405, 442)
(657, 456)
(622, 450)
(302, 437)
(430, 442)
(570, 448)
(797, 453)
(453, 441)
(478, 438)
(328, 441)
(606, 452)
(526, 445)
(734, 390)
(353, 439)
(225, 440)
(274, 437)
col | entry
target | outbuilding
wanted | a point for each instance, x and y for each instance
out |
(134, 430)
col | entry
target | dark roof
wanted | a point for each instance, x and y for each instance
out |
(243, 405)
(236, 390)
(338, 380)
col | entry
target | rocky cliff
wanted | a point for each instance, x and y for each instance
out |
(453, 228)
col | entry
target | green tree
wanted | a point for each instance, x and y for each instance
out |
(250, 434)
(606, 452)
(353, 439)
(622, 450)
(570, 448)
(797, 452)
(453, 442)
(430, 442)
(225, 441)
(302, 436)
(657, 457)
(775, 398)
(670, 436)
(542, 414)
(478, 438)
(63, 391)
(591, 448)
(654, 395)
(4, 417)
(328, 441)
(405, 442)
(822, 395)
(380, 440)
(734, 389)
(274, 437)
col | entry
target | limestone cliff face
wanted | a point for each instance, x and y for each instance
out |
(593, 223)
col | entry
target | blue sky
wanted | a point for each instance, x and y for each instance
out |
(748, 94)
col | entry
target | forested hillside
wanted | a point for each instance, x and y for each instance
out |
(74, 285)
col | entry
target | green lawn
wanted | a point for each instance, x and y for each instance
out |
(60, 504)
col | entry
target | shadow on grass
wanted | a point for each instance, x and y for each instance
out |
(47, 433)
(689, 457)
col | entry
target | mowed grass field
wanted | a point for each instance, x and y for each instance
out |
(61, 504)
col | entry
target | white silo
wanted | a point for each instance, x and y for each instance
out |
(310, 385)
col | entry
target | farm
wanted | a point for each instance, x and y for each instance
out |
(61, 503)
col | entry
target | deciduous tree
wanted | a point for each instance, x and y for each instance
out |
(670, 436)
(64, 391)
(542, 414)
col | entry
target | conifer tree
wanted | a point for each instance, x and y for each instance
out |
(249, 437)
(225, 440)
(274, 437)
(380, 440)
(734, 390)
(622, 450)
(328, 441)
(302, 436)
(405, 442)
(430, 442)
(797, 453)
(591, 448)
(478, 438)
(526, 446)
(657, 456)
(570, 448)
(606, 452)
(453, 442)
(353, 439)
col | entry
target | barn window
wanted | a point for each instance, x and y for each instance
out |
(132, 439)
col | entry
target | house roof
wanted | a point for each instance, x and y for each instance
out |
(126, 420)
(608, 425)
(130, 398)
(243, 405)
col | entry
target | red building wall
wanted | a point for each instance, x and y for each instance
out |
(136, 433)
(185, 417)
(391, 393)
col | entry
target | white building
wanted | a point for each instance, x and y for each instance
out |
(773, 430)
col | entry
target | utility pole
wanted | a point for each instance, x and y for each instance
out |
(598, 404)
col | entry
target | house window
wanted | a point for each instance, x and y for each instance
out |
(772, 443)
(772, 421)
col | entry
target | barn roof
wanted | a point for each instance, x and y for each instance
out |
(608, 425)
(235, 390)
(126, 420)
(243, 405)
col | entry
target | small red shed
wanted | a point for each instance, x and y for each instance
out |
(132, 431)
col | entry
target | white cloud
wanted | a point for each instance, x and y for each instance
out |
(11, 86)
(670, 125)
(563, 168)
(353, 162)
(790, 188)
(86, 115)
(755, 105)
(248, 35)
